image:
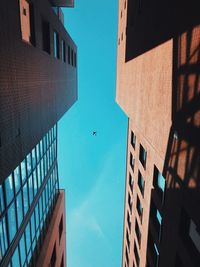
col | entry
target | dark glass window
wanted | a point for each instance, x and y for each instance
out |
(130, 202)
(132, 161)
(141, 182)
(46, 36)
(53, 257)
(139, 208)
(131, 182)
(62, 261)
(137, 231)
(143, 156)
(127, 257)
(60, 227)
(129, 221)
(128, 239)
(22, 250)
(133, 139)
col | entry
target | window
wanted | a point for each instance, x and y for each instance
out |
(56, 45)
(63, 51)
(143, 156)
(141, 182)
(12, 222)
(130, 202)
(133, 139)
(46, 36)
(53, 257)
(69, 61)
(137, 231)
(62, 261)
(132, 161)
(131, 182)
(60, 228)
(15, 258)
(156, 218)
(139, 208)
(127, 257)
(128, 240)
(159, 183)
(137, 258)
(9, 189)
(129, 221)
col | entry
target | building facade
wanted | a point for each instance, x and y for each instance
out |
(158, 87)
(38, 84)
(38, 76)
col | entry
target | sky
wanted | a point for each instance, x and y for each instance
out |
(92, 168)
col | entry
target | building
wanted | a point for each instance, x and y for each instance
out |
(158, 87)
(38, 84)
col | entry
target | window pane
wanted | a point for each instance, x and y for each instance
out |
(34, 182)
(28, 237)
(17, 179)
(2, 206)
(15, 258)
(12, 222)
(29, 167)
(22, 249)
(23, 170)
(33, 158)
(19, 208)
(9, 189)
(3, 236)
(25, 196)
(30, 186)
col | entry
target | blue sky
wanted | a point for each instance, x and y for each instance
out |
(92, 168)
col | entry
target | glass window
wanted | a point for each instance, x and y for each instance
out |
(22, 250)
(9, 189)
(143, 156)
(37, 216)
(17, 179)
(33, 158)
(28, 237)
(2, 206)
(34, 182)
(19, 208)
(139, 208)
(38, 152)
(3, 237)
(25, 198)
(131, 182)
(56, 45)
(12, 221)
(63, 51)
(39, 176)
(159, 218)
(141, 182)
(137, 231)
(30, 187)
(133, 139)
(15, 258)
(132, 162)
(41, 148)
(23, 170)
(29, 167)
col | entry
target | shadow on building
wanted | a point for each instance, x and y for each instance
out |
(174, 226)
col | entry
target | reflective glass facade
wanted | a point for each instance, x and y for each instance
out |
(27, 198)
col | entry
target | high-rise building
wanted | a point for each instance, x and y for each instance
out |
(158, 87)
(38, 84)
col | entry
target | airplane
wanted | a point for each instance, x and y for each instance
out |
(94, 133)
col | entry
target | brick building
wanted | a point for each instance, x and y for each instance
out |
(158, 87)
